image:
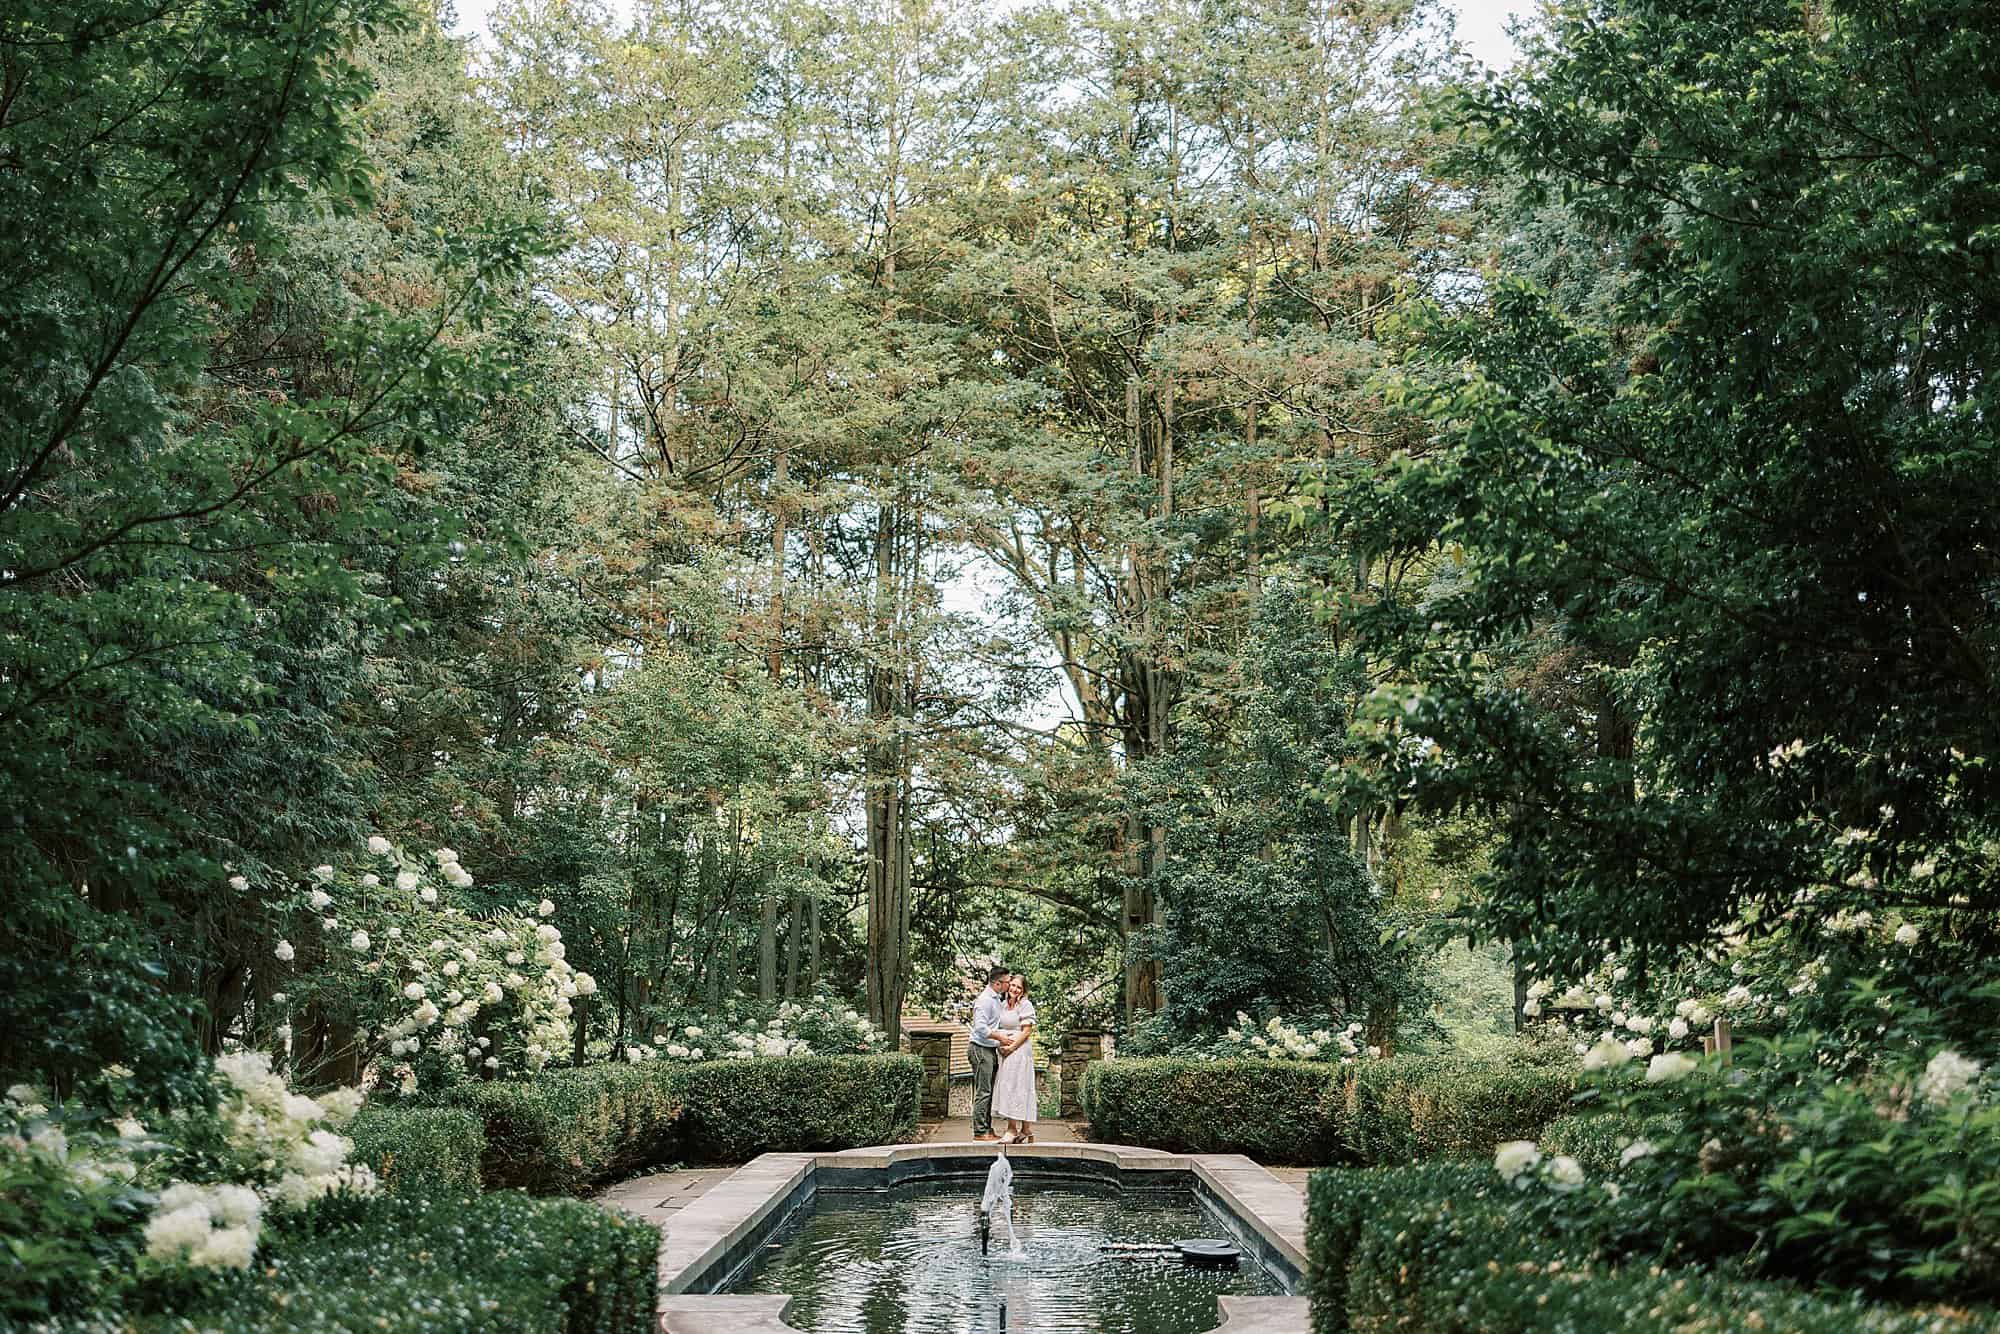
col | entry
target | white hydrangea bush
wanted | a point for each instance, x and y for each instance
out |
(267, 1149)
(435, 994)
(1277, 1038)
(818, 1026)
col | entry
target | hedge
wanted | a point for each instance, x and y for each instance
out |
(1596, 1139)
(420, 1148)
(565, 1130)
(402, 1264)
(735, 1110)
(1415, 1108)
(1433, 1247)
(1404, 1109)
(1272, 1110)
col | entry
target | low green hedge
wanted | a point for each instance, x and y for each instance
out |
(1434, 1247)
(735, 1110)
(1404, 1109)
(1596, 1139)
(420, 1148)
(565, 1130)
(1272, 1110)
(1416, 1108)
(404, 1264)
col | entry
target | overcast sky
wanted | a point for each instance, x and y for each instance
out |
(1481, 23)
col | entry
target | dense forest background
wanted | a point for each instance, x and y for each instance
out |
(1201, 499)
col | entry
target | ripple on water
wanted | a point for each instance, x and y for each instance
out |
(908, 1260)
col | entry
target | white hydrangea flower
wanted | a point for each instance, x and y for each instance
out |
(1608, 1054)
(1948, 1075)
(1637, 1149)
(1514, 1158)
(318, 900)
(545, 908)
(359, 942)
(372, 880)
(445, 857)
(547, 933)
(239, 884)
(1907, 934)
(1678, 1029)
(406, 880)
(284, 951)
(379, 845)
(428, 894)
(1565, 1173)
(322, 873)
(586, 985)
(1668, 1067)
(172, 1233)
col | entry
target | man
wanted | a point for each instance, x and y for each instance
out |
(984, 1050)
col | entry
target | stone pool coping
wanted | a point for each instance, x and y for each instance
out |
(711, 1237)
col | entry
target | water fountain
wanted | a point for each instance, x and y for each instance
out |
(998, 1202)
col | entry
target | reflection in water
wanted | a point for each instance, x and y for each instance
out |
(908, 1260)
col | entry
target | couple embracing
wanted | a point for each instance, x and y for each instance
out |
(1002, 1052)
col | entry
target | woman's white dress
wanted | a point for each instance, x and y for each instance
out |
(1014, 1087)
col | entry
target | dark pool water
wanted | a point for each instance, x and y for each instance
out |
(908, 1260)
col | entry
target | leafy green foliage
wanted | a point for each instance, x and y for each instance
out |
(420, 1148)
(1416, 1108)
(1275, 1111)
(1447, 1248)
(565, 1130)
(1785, 1163)
(1267, 905)
(735, 1110)
(404, 1262)
(1747, 514)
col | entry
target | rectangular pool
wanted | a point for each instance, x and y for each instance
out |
(908, 1259)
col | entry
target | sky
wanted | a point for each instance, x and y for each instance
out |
(1482, 24)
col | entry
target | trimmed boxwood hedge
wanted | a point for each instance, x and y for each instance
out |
(735, 1110)
(1272, 1110)
(420, 1148)
(1416, 1108)
(1404, 1109)
(405, 1264)
(565, 1130)
(1433, 1247)
(1596, 1139)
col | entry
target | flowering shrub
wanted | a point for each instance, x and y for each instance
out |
(743, 1030)
(1277, 1040)
(1884, 1172)
(1449, 1246)
(433, 994)
(84, 1183)
(69, 1190)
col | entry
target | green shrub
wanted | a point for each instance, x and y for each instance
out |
(438, 1262)
(1445, 1247)
(736, 1110)
(420, 1148)
(564, 1130)
(1414, 1108)
(1596, 1139)
(1275, 1111)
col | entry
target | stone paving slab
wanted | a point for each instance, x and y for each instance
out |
(663, 1194)
(1264, 1315)
(959, 1130)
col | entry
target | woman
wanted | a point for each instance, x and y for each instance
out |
(1014, 1087)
